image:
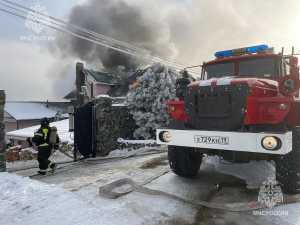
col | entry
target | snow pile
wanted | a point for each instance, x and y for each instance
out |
(26, 202)
(137, 142)
(62, 129)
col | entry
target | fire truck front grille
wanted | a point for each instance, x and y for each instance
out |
(219, 107)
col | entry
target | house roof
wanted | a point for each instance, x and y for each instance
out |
(103, 77)
(62, 131)
(71, 95)
(29, 110)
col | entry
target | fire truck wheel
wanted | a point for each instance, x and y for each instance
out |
(184, 161)
(288, 167)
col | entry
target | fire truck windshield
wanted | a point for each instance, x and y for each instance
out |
(220, 70)
(259, 67)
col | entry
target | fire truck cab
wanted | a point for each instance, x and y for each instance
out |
(245, 107)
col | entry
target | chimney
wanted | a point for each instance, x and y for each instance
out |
(80, 80)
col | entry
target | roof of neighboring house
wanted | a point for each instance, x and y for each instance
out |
(29, 110)
(71, 95)
(103, 77)
(62, 131)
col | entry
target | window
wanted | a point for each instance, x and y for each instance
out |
(258, 67)
(261, 67)
(220, 70)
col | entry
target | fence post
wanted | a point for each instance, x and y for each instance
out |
(2, 133)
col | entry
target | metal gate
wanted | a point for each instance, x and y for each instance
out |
(84, 140)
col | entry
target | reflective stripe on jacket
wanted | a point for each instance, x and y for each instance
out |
(41, 137)
(43, 145)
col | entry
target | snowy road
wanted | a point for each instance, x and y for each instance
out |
(72, 197)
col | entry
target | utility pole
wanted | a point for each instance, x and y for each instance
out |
(2, 133)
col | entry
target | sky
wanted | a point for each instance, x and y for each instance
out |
(27, 67)
(29, 71)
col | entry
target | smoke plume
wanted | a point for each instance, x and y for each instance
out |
(119, 20)
(188, 31)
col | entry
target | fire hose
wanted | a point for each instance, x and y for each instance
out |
(99, 160)
(107, 191)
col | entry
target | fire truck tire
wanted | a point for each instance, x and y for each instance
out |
(288, 167)
(184, 161)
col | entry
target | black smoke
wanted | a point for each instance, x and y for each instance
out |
(188, 31)
(119, 20)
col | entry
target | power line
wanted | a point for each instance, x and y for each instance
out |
(75, 26)
(20, 11)
(130, 49)
(64, 29)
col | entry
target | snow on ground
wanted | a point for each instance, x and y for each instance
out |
(62, 129)
(292, 217)
(254, 172)
(71, 196)
(24, 201)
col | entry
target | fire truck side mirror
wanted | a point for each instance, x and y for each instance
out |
(294, 61)
(289, 85)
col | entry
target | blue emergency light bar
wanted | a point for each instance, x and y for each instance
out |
(242, 51)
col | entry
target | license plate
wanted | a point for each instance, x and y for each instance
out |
(211, 140)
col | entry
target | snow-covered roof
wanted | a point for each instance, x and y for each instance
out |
(62, 130)
(71, 95)
(29, 110)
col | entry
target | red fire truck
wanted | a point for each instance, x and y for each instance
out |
(245, 107)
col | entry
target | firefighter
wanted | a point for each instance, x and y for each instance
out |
(182, 83)
(42, 140)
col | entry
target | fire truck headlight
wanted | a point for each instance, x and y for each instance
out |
(283, 106)
(165, 136)
(271, 143)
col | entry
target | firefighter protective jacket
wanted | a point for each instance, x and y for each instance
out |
(41, 137)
